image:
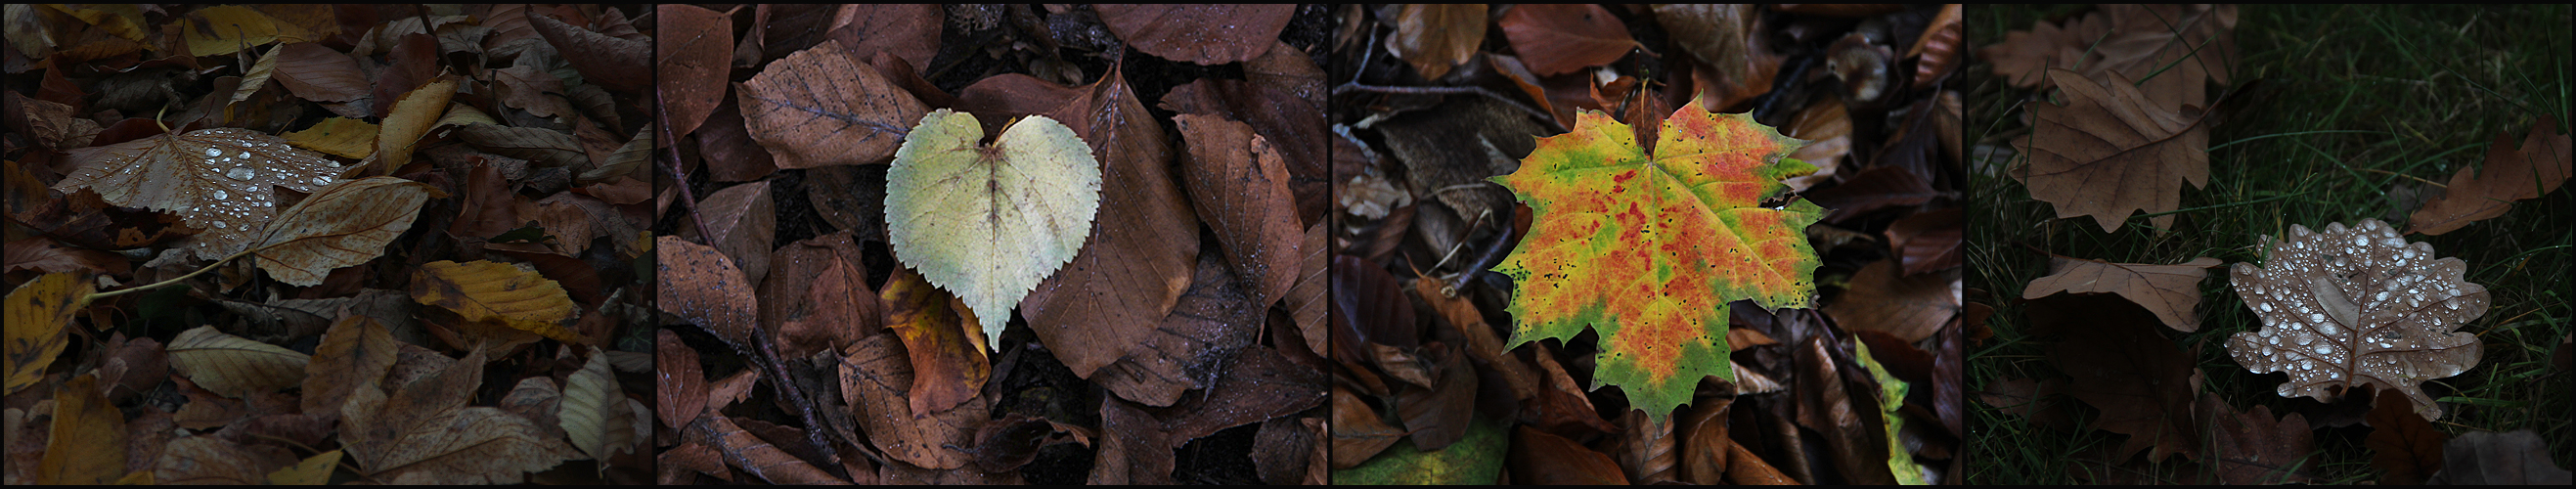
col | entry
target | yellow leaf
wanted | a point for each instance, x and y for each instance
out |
(115, 19)
(228, 29)
(488, 291)
(257, 76)
(461, 114)
(311, 472)
(37, 312)
(345, 224)
(412, 117)
(234, 366)
(88, 445)
(594, 413)
(338, 135)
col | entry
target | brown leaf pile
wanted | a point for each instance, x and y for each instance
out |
(300, 244)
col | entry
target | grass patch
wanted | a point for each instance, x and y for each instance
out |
(2362, 103)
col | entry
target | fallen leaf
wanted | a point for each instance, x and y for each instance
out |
(822, 284)
(1879, 187)
(2482, 457)
(615, 63)
(594, 413)
(411, 118)
(37, 313)
(341, 136)
(2139, 380)
(680, 389)
(1239, 185)
(1704, 442)
(1435, 37)
(2110, 151)
(1930, 240)
(216, 180)
(529, 88)
(947, 367)
(1827, 124)
(741, 222)
(424, 434)
(1143, 246)
(1286, 450)
(2254, 449)
(821, 107)
(1646, 448)
(990, 239)
(873, 380)
(1477, 459)
(2538, 167)
(701, 285)
(345, 224)
(1910, 307)
(1189, 348)
(1727, 43)
(1660, 308)
(2027, 398)
(353, 355)
(88, 437)
(1134, 449)
(1562, 38)
(227, 29)
(908, 31)
(760, 458)
(234, 366)
(546, 147)
(1308, 302)
(206, 459)
(321, 74)
(2404, 445)
(2169, 291)
(313, 471)
(508, 294)
(1890, 406)
(694, 52)
(1539, 458)
(1358, 432)
(1294, 128)
(1206, 34)
(2356, 306)
(255, 77)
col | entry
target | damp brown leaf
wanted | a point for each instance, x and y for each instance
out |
(1207, 34)
(346, 224)
(509, 294)
(701, 285)
(2170, 291)
(1560, 38)
(216, 180)
(423, 433)
(2349, 307)
(2137, 378)
(695, 51)
(2404, 445)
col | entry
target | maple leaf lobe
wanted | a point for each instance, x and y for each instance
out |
(1649, 250)
(2358, 306)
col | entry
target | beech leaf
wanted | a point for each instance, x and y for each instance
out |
(37, 312)
(505, 293)
(2357, 306)
(595, 415)
(234, 366)
(822, 107)
(2170, 291)
(1206, 34)
(346, 224)
(989, 222)
(1239, 185)
(1555, 39)
(699, 284)
(1649, 250)
(354, 355)
(217, 180)
(412, 116)
(2110, 151)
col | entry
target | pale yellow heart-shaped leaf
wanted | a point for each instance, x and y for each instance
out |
(989, 222)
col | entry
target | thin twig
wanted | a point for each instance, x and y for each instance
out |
(671, 144)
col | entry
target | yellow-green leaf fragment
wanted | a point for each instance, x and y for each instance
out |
(37, 312)
(1649, 250)
(313, 471)
(1891, 400)
(989, 222)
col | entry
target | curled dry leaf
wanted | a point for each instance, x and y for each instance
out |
(1239, 185)
(217, 180)
(2357, 306)
(346, 224)
(947, 366)
(2538, 167)
(411, 118)
(822, 107)
(2170, 291)
(506, 293)
(234, 366)
(701, 285)
(37, 312)
(2110, 151)
(1207, 34)
(989, 222)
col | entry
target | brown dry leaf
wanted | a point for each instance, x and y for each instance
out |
(2401, 443)
(2357, 306)
(1239, 185)
(743, 220)
(700, 284)
(1189, 348)
(424, 434)
(1704, 442)
(820, 296)
(615, 63)
(1562, 38)
(2137, 378)
(1540, 458)
(1435, 37)
(2110, 151)
(1306, 302)
(37, 312)
(1827, 125)
(505, 293)
(2252, 448)
(1734, 64)
(733, 156)
(411, 118)
(255, 77)
(1358, 432)
(529, 88)
(341, 136)
(88, 437)
(1646, 451)
(1928, 241)
(1206, 34)
(1878, 187)
(343, 225)
(545, 147)
(2182, 47)
(216, 180)
(353, 355)
(947, 366)
(1910, 307)
(318, 73)
(2169, 291)
(2483, 458)
(873, 380)
(234, 366)
(680, 391)
(2027, 398)
(757, 456)
(695, 51)
(1258, 385)
(2538, 167)
(205, 459)
(1144, 242)
(1294, 127)
(908, 31)
(1290, 451)
(822, 107)
(1133, 450)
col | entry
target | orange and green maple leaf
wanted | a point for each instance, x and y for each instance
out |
(1649, 250)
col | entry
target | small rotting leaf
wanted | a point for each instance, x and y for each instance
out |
(989, 222)
(216, 180)
(2357, 306)
(1648, 250)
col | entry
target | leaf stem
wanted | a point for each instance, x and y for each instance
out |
(174, 280)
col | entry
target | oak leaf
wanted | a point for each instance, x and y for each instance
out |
(1649, 250)
(989, 222)
(2253, 448)
(2170, 291)
(510, 294)
(422, 433)
(2110, 151)
(2538, 167)
(345, 224)
(2357, 306)
(218, 180)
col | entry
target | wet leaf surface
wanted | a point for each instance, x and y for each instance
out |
(2348, 307)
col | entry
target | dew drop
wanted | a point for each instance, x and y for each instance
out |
(240, 173)
(2305, 340)
(211, 152)
(2322, 350)
(320, 181)
(220, 195)
(244, 155)
(219, 225)
(2328, 328)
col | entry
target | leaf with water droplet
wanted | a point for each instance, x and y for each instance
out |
(2358, 306)
(989, 222)
(181, 174)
